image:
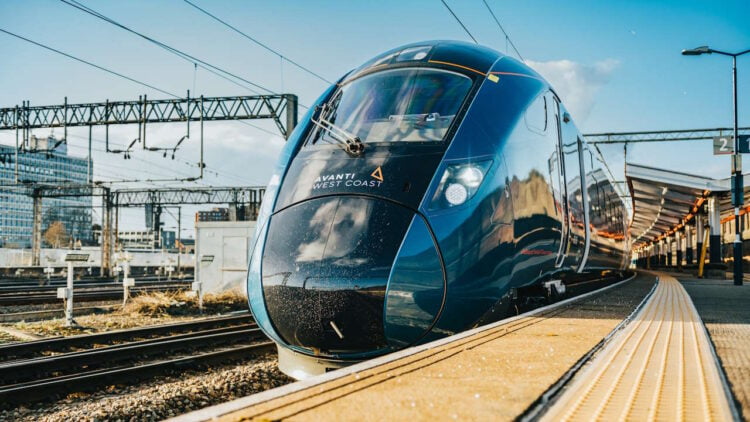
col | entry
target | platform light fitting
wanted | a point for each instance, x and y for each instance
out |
(697, 51)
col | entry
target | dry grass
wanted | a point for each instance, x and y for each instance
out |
(183, 303)
(141, 310)
(154, 304)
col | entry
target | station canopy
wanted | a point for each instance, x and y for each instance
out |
(664, 200)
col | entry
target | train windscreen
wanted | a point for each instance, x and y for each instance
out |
(400, 105)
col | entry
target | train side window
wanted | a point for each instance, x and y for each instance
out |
(536, 115)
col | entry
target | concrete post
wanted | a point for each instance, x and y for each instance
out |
(714, 222)
(66, 294)
(127, 282)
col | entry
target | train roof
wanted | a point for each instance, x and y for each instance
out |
(467, 56)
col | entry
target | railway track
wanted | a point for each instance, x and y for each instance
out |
(48, 368)
(86, 285)
(6, 284)
(28, 297)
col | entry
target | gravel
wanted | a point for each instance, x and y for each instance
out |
(161, 397)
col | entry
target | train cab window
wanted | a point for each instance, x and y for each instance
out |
(536, 115)
(400, 105)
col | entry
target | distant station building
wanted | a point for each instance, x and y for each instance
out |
(216, 214)
(233, 213)
(45, 161)
(142, 239)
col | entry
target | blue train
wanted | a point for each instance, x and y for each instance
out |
(431, 190)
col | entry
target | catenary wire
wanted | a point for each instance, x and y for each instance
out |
(121, 75)
(88, 63)
(189, 164)
(190, 58)
(194, 60)
(233, 28)
(168, 48)
(507, 37)
(459, 21)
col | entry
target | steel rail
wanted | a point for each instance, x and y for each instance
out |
(92, 289)
(45, 389)
(88, 286)
(29, 369)
(62, 343)
(7, 300)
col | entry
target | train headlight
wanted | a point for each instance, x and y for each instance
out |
(459, 183)
(471, 176)
(456, 194)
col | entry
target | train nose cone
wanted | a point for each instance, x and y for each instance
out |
(325, 271)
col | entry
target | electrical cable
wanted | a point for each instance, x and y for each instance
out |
(283, 57)
(458, 20)
(89, 63)
(101, 141)
(217, 173)
(192, 59)
(507, 37)
(135, 80)
(171, 49)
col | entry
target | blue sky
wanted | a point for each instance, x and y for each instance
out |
(616, 64)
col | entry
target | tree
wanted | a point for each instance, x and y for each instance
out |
(56, 234)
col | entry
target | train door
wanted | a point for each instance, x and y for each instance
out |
(575, 190)
(557, 173)
(585, 203)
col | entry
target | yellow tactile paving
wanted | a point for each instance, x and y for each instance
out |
(660, 367)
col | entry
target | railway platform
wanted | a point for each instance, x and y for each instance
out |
(723, 308)
(637, 350)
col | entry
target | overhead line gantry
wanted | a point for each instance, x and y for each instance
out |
(248, 195)
(660, 135)
(281, 108)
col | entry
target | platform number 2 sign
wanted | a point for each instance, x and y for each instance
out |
(725, 144)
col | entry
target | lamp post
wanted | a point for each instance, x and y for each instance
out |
(737, 183)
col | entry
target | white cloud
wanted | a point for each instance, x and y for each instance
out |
(577, 84)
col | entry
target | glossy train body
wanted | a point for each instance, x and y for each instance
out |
(420, 196)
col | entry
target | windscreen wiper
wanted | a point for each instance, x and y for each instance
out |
(352, 144)
(420, 117)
